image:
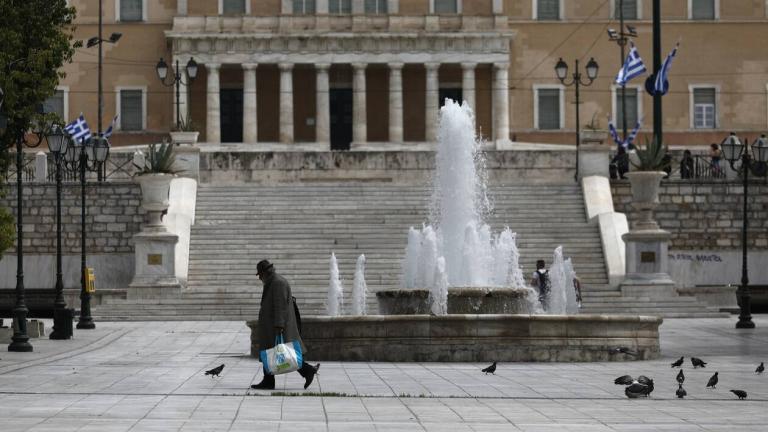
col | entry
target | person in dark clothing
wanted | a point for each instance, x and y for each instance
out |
(620, 163)
(540, 281)
(277, 316)
(686, 165)
(666, 161)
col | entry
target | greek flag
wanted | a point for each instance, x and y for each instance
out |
(614, 134)
(108, 132)
(630, 138)
(661, 86)
(78, 129)
(633, 67)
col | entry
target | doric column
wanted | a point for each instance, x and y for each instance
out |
(432, 102)
(250, 118)
(286, 102)
(213, 121)
(323, 115)
(468, 83)
(501, 100)
(396, 102)
(359, 116)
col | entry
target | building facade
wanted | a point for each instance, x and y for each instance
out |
(339, 74)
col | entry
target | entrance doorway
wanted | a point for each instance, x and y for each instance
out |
(341, 118)
(450, 93)
(231, 115)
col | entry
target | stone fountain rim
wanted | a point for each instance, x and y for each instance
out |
(455, 292)
(491, 317)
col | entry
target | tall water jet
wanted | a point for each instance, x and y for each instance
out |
(558, 283)
(411, 260)
(335, 300)
(359, 288)
(571, 304)
(438, 294)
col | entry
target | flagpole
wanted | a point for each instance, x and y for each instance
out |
(622, 44)
(657, 118)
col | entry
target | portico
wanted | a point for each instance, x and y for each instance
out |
(393, 83)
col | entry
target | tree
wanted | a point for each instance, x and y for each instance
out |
(37, 40)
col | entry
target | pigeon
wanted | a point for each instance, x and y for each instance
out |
(642, 379)
(622, 350)
(740, 393)
(636, 390)
(624, 380)
(490, 369)
(712, 381)
(681, 377)
(760, 368)
(681, 393)
(678, 363)
(697, 362)
(215, 371)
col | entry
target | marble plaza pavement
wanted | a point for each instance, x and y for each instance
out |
(148, 376)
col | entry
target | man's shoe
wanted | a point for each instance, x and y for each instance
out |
(268, 383)
(309, 374)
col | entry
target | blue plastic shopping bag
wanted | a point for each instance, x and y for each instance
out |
(284, 357)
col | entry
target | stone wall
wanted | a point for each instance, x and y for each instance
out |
(704, 216)
(113, 216)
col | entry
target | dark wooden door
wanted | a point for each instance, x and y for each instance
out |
(232, 115)
(341, 118)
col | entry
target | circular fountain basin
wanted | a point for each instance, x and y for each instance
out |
(461, 300)
(477, 338)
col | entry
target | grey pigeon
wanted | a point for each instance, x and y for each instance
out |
(740, 393)
(636, 390)
(624, 380)
(697, 362)
(678, 363)
(642, 379)
(215, 371)
(712, 381)
(760, 369)
(681, 393)
(681, 377)
(490, 369)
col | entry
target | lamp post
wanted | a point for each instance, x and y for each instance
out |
(622, 38)
(81, 157)
(178, 80)
(561, 69)
(57, 144)
(734, 151)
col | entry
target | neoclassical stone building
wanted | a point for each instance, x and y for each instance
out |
(372, 73)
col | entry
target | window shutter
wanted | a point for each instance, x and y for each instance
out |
(234, 6)
(703, 9)
(131, 110)
(548, 9)
(446, 6)
(628, 6)
(549, 109)
(131, 10)
(55, 104)
(631, 100)
(302, 7)
(704, 108)
(376, 6)
(340, 6)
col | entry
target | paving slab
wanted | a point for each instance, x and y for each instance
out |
(148, 376)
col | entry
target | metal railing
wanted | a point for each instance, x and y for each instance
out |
(27, 169)
(706, 169)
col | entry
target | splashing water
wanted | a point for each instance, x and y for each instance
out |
(571, 304)
(359, 288)
(438, 294)
(558, 278)
(335, 299)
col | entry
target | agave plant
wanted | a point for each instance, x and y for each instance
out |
(160, 159)
(651, 158)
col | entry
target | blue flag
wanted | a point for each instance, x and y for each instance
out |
(633, 67)
(78, 129)
(661, 86)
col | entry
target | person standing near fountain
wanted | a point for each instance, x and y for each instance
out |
(277, 316)
(542, 283)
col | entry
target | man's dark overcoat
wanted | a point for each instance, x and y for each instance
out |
(277, 311)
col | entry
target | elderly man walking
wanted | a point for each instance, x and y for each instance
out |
(277, 316)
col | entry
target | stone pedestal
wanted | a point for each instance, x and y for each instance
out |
(594, 160)
(155, 270)
(647, 272)
(188, 161)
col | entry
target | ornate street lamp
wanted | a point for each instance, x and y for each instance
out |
(81, 157)
(58, 143)
(178, 80)
(734, 150)
(561, 70)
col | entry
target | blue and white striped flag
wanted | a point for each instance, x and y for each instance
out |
(661, 86)
(632, 135)
(78, 129)
(108, 132)
(614, 134)
(633, 67)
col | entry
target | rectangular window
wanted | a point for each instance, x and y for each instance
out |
(548, 9)
(704, 108)
(131, 110)
(303, 7)
(55, 104)
(340, 6)
(632, 103)
(549, 109)
(131, 10)
(233, 7)
(446, 6)
(629, 7)
(703, 9)
(376, 6)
